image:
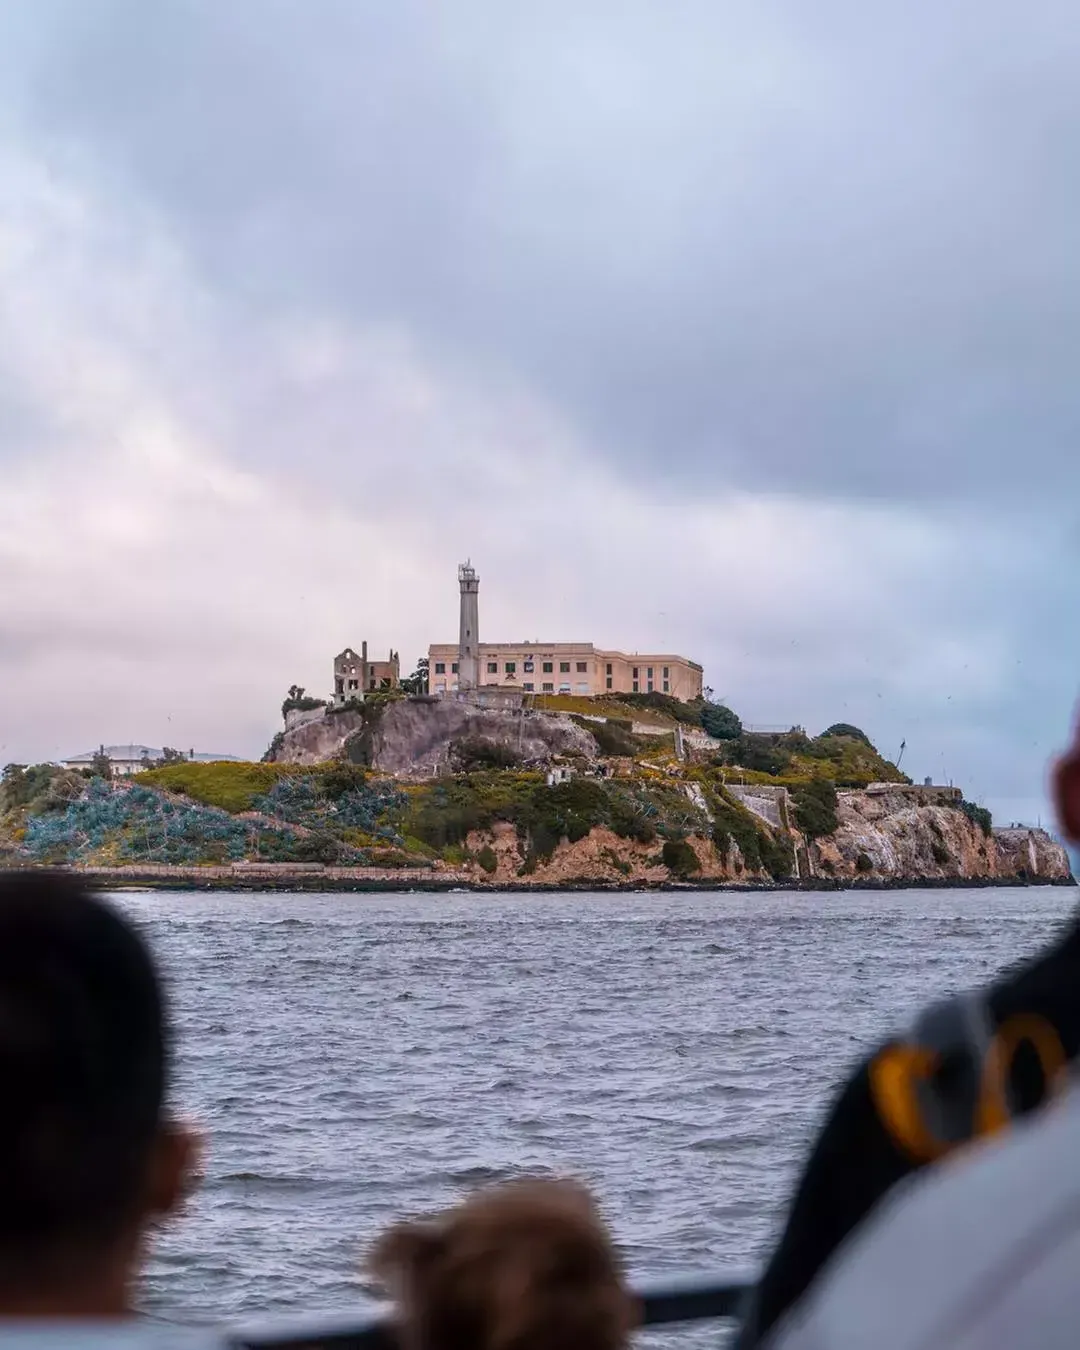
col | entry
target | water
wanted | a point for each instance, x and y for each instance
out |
(357, 1058)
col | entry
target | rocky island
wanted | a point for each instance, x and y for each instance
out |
(410, 791)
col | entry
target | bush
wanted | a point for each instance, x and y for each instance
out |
(776, 856)
(719, 721)
(613, 737)
(978, 815)
(488, 859)
(733, 823)
(815, 808)
(846, 729)
(338, 779)
(679, 858)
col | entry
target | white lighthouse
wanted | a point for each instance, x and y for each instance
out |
(469, 632)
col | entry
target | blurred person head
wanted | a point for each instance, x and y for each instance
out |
(89, 1162)
(524, 1266)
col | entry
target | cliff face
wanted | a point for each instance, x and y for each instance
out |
(416, 739)
(892, 837)
(881, 839)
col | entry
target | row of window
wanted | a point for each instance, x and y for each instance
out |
(510, 667)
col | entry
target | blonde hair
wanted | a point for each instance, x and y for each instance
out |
(524, 1266)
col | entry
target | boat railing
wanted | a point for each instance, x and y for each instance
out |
(696, 1299)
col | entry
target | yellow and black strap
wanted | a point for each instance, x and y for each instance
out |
(908, 1102)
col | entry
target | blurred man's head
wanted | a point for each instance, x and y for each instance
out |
(1066, 788)
(87, 1160)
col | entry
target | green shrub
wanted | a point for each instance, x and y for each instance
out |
(339, 778)
(776, 856)
(815, 808)
(978, 815)
(717, 720)
(613, 737)
(488, 859)
(679, 858)
(846, 729)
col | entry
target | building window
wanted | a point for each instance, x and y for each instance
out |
(650, 686)
(548, 667)
(440, 668)
(666, 689)
(493, 667)
(583, 667)
(454, 669)
(548, 688)
(609, 682)
(528, 667)
(528, 687)
(635, 672)
(564, 688)
(511, 667)
(583, 688)
(636, 690)
(564, 667)
(609, 670)
(667, 672)
(440, 687)
(354, 684)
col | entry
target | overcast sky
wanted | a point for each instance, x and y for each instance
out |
(748, 329)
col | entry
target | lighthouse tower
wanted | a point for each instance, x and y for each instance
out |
(469, 632)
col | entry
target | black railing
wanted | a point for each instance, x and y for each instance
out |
(693, 1300)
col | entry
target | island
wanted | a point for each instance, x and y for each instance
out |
(401, 789)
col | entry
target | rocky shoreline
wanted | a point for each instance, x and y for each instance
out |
(314, 879)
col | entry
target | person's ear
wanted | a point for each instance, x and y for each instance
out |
(1065, 781)
(175, 1169)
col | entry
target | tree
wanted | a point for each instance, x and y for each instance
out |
(719, 721)
(418, 682)
(101, 764)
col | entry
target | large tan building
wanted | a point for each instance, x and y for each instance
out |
(568, 668)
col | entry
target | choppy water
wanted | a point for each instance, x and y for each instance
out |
(356, 1058)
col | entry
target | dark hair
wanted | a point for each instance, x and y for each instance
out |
(83, 1061)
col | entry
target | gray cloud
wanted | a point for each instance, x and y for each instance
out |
(730, 243)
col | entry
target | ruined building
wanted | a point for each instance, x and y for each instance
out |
(355, 675)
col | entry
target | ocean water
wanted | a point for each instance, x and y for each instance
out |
(353, 1059)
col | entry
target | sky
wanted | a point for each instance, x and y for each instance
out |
(745, 329)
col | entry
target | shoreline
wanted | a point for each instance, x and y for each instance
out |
(311, 878)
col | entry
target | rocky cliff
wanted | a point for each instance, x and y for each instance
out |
(420, 738)
(891, 839)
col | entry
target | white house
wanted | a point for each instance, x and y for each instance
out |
(130, 759)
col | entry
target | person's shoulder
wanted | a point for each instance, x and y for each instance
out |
(986, 1238)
